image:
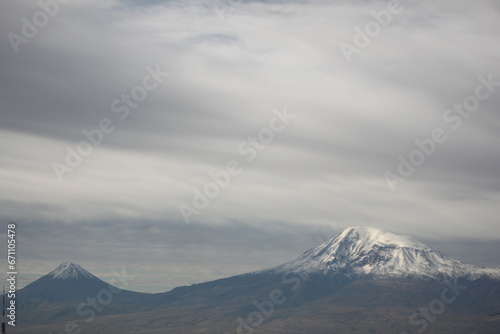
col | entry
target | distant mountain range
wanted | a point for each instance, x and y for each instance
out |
(364, 280)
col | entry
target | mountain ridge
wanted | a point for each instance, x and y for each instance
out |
(352, 252)
(327, 288)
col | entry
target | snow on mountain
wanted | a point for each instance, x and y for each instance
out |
(68, 270)
(362, 251)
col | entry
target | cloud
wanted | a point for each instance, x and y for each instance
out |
(326, 170)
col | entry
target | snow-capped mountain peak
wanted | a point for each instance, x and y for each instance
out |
(368, 237)
(68, 270)
(363, 251)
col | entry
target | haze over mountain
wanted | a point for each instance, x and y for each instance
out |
(364, 280)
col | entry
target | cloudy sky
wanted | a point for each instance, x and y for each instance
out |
(312, 105)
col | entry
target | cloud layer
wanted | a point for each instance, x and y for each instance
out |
(231, 64)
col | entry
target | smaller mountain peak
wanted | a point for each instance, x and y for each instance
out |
(69, 270)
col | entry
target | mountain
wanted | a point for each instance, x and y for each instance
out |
(57, 295)
(364, 280)
(367, 251)
(68, 283)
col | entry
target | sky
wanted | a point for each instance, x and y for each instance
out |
(185, 141)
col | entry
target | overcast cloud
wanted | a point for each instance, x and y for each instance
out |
(231, 66)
